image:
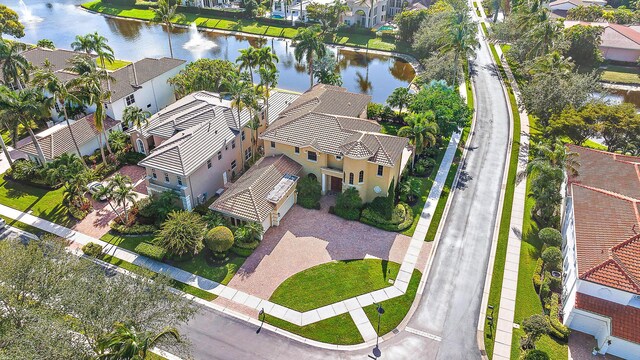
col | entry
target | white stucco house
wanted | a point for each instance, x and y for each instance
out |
(57, 140)
(565, 5)
(360, 13)
(601, 248)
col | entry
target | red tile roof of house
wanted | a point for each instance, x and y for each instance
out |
(625, 320)
(606, 208)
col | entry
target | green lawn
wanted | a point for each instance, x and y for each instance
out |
(248, 26)
(43, 203)
(332, 282)
(620, 74)
(394, 309)
(339, 330)
(115, 64)
(505, 218)
(198, 265)
(390, 128)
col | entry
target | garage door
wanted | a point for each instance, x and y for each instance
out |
(286, 205)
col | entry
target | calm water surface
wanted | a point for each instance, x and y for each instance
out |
(60, 21)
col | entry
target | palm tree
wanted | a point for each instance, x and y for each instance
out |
(122, 191)
(266, 58)
(400, 97)
(73, 194)
(557, 156)
(64, 168)
(421, 130)
(166, 14)
(255, 230)
(247, 60)
(552, 63)
(15, 67)
(268, 81)
(133, 116)
(106, 193)
(83, 43)
(237, 87)
(101, 48)
(307, 44)
(543, 36)
(462, 40)
(45, 79)
(411, 189)
(125, 342)
(26, 106)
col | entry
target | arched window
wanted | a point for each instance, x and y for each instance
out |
(361, 176)
(350, 178)
(313, 176)
(140, 144)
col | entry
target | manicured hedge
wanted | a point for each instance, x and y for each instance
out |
(401, 219)
(537, 275)
(92, 249)
(151, 251)
(136, 229)
(557, 329)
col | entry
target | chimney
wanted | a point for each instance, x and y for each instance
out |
(135, 74)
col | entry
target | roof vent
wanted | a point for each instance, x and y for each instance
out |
(349, 104)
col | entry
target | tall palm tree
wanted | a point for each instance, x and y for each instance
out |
(237, 87)
(83, 43)
(247, 60)
(88, 88)
(26, 106)
(101, 48)
(167, 14)
(307, 44)
(135, 117)
(557, 156)
(266, 58)
(400, 97)
(125, 342)
(122, 192)
(462, 40)
(544, 36)
(64, 168)
(15, 67)
(105, 193)
(45, 79)
(421, 130)
(268, 82)
(552, 63)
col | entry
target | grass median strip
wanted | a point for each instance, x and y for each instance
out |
(338, 330)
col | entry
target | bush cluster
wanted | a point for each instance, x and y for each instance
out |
(550, 236)
(135, 229)
(92, 249)
(309, 193)
(401, 219)
(348, 204)
(424, 167)
(219, 239)
(556, 329)
(151, 251)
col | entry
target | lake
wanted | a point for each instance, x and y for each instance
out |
(60, 21)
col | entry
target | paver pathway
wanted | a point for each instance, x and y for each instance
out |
(295, 317)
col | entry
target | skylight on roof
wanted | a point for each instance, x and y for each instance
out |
(282, 187)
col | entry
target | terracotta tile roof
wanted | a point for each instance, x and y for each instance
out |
(247, 197)
(606, 208)
(57, 140)
(326, 119)
(625, 320)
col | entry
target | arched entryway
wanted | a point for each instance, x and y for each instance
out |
(140, 146)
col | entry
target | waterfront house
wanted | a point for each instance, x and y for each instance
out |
(361, 14)
(601, 248)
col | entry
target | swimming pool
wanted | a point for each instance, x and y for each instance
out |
(386, 27)
(277, 17)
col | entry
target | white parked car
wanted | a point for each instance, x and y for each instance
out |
(94, 187)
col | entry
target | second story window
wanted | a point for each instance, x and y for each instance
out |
(233, 144)
(273, 145)
(179, 181)
(350, 178)
(361, 176)
(209, 164)
(312, 156)
(297, 150)
(380, 170)
(130, 100)
(166, 177)
(247, 154)
(219, 155)
(154, 175)
(243, 135)
(57, 106)
(233, 165)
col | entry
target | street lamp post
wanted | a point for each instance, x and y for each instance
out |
(376, 350)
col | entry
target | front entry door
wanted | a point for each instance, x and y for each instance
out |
(224, 178)
(336, 184)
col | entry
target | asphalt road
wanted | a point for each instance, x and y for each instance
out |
(450, 306)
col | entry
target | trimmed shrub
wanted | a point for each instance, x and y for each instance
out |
(244, 249)
(219, 239)
(537, 275)
(181, 234)
(242, 235)
(550, 236)
(76, 213)
(135, 229)
(309, 193)
(130, 157)
(348, 204)
(534, 327)
(380, 206)
(92, 249)
(401, 219)
(151, 251)
(536, 355)
(552, 257)
(557, 329)
(545, 290)
(424, 167)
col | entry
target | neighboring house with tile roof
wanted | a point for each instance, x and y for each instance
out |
(193, 145)
(601, 230)
(263, 194)
(57, 140)
(326, 131)
(564, 5)
(142, 83)
(619, 42)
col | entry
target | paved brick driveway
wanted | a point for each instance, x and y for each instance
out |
(581, 345)
(310, 237)
(96, 224)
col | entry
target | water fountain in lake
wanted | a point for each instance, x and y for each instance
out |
(197, 43)
(26, 16)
